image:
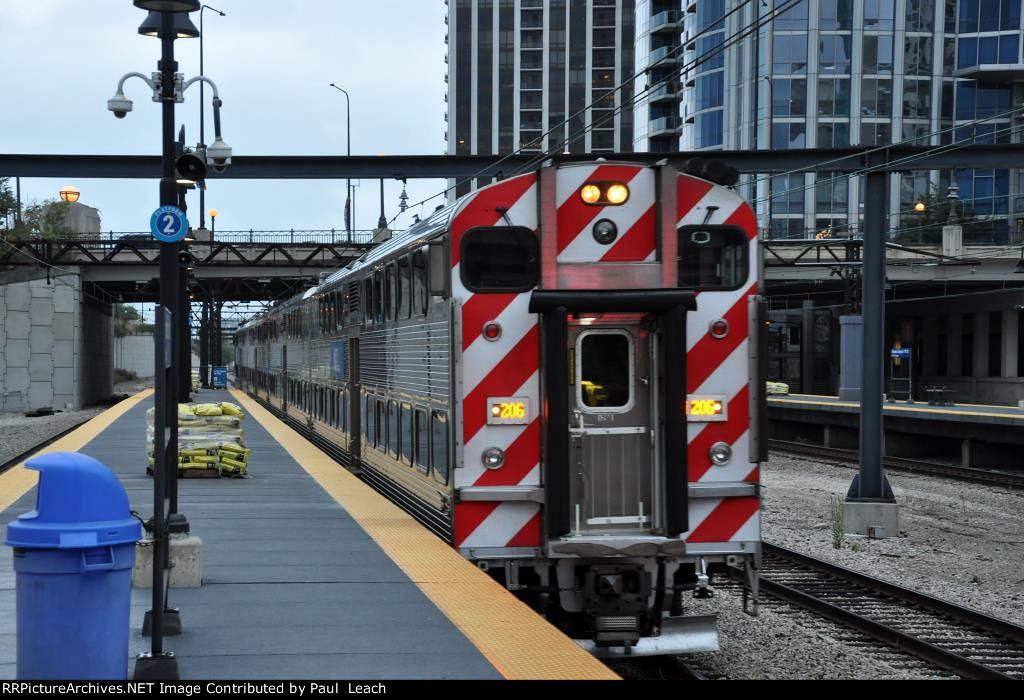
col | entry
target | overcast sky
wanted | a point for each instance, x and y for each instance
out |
(273, 61)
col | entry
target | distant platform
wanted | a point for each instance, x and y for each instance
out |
(1004, 415)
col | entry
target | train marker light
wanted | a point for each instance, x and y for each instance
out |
(492, 330)
(493, 457)
(720, 453)
(719, 328)
(605, 232)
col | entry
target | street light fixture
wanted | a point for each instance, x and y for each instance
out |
(183, 27)
(348, 152)
(202, 109)
(70, 194)
(167, 5)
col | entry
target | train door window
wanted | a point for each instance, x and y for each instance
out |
(499, 259)
(393, 433)
(408, 415)
(713, 257)
(404, 287)
(605, 371)
(421, 450)
(419, 283)
(391, 291)
(439, 444)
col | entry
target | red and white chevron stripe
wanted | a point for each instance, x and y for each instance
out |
(508, 366)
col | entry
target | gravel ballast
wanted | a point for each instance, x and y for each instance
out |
(958, 541)
(19, 434)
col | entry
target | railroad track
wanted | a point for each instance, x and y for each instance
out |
(32, 450)
(978, 476)
(959, 640)
(668, 668)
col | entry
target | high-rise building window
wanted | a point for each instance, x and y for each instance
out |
(917, 99)
(793, 19)
(874, 133)
(989, 15)
(877, 54)
(917, 55)
(878, 15)
(834, 97)
(711, 56)
(836, 14)
(709, 129)
(789, 54)
(920, 15)
(833, 134)
(789, 135)
(789, 97)
(834, 53)
(876, 97)
(710, 90)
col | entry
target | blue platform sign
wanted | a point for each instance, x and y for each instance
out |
(900, 352)
(338, 359)
(168, 224)
(220, 378)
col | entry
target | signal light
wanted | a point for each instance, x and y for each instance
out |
(604, 193)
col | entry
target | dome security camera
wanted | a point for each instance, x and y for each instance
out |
(119, 105)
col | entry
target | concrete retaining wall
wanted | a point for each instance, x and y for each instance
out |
(135, 353)
(55, 345)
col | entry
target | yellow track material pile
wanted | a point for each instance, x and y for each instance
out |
(209, 439)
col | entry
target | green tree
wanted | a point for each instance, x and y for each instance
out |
(920, 225)
(128, 320)
(8, 203)
(48, 219)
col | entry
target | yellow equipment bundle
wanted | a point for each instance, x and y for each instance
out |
(210, 440)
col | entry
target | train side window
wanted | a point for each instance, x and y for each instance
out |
(439, 444)
(421, 452)
(382, 425)
(367, 420)
(499, 259)
(391, 292)
(393, 431)
(378, 296)
(419, 283)
(407, 417)
(404, 284)
(713, 257)
(368, 314)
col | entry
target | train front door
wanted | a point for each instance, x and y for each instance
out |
(611, 440)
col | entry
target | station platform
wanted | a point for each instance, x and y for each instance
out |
(974, 435)
(307, 572)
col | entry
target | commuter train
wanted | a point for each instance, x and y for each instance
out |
(560, 374)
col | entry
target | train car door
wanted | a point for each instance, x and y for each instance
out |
(284, 378)
(611, 453)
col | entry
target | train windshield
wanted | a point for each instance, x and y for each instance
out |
(499, 259)
(713, 257)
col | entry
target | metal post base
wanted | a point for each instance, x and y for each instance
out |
(163, 667)
(177, 523)
(171, 623)
(876, 519)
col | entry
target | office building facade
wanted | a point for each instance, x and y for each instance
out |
(539, 75)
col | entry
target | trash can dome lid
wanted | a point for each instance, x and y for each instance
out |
(79, 504)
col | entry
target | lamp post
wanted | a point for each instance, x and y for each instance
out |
(202, 110)
(168, 87)
(348, 152)
(213, 223)
(70, 194)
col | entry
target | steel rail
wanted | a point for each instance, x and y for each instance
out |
(970, 474)
(891, 636)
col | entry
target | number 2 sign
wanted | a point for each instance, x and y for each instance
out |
(168, 224)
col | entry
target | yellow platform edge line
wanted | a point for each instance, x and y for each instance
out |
(911, 409)
(513, 638)
(16, 481)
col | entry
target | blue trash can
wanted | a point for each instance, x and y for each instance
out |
(73, 558)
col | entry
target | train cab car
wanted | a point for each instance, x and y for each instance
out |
(561, 375)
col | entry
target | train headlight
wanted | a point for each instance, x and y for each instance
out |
(590, 194)
(720, 453)
(493, 457)
(617, 194)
